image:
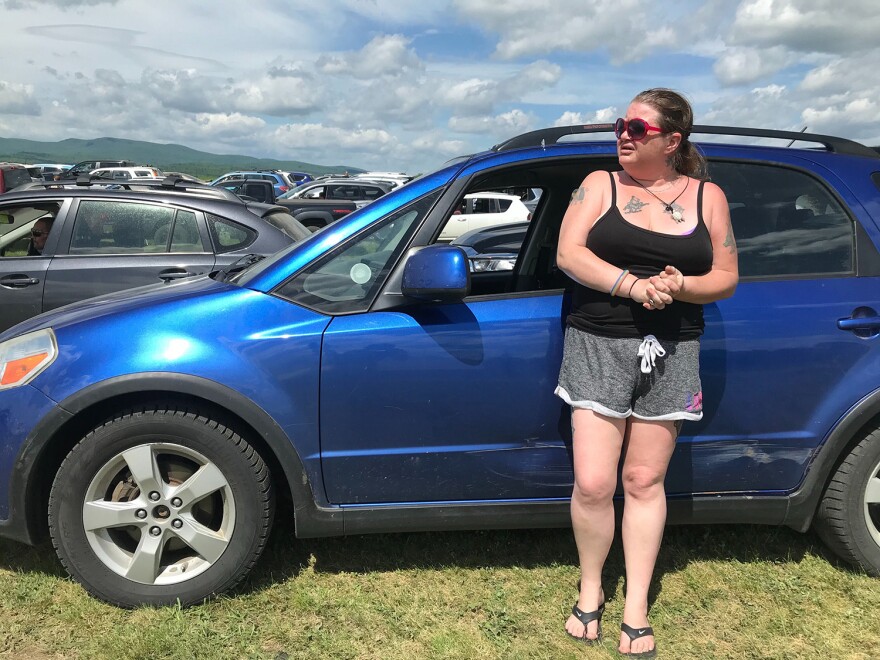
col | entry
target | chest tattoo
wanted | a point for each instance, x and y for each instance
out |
(634, 205)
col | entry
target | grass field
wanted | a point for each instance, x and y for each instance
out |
(720, 592)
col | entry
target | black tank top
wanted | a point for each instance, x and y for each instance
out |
(644, 253)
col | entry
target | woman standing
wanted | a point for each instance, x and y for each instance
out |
(647, 246)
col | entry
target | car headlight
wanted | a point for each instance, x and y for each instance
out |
(22, 358)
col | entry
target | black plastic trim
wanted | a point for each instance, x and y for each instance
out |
(760, 510)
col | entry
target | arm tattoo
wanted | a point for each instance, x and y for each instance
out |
(729, 242)
(634, 205)
(578, 195)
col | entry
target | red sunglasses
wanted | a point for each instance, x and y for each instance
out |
(636, 128)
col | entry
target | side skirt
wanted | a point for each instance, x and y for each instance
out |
(391, 518)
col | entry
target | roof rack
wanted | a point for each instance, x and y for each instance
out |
(168, 184)
(833, 144)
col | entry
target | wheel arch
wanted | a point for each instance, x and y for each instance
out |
(852, 427)
(58, 433)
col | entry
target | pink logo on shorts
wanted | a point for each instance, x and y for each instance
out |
(695, 402)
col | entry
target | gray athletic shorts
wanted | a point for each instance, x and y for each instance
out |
(619, 377)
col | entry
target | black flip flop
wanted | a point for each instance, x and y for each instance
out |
(586, 618)
(636, 633)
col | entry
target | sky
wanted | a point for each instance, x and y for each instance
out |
(404, 86)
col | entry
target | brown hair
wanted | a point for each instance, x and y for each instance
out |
(676, 116)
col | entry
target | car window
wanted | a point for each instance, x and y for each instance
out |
(186, 233)
(315, 193)
(485, 205)
(111, 227)
(786, 222)
(15, 177)
(16, 224)
(228, 235)
(349, 278)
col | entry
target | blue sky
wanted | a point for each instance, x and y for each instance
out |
(396, 85)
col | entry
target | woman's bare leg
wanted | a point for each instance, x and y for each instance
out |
(597, 442)
(647, 451)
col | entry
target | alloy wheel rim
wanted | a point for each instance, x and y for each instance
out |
(159, 514)
(871, 503)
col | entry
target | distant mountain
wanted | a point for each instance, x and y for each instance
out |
(170, 157)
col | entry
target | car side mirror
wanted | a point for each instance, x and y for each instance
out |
(437, 273)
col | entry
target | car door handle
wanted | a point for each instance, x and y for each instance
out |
(175, 274)
(18, 281)
(869, 322)
(858, 324)
(864, 323)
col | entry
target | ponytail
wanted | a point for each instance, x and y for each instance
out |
(689, 161)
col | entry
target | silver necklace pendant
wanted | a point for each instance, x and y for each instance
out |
(675, 213)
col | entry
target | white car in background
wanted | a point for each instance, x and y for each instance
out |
(484, 209)
(126, 173)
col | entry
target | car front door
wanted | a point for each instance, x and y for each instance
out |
(22, 270)
(114, 245)
(434, 402)
(446, 402)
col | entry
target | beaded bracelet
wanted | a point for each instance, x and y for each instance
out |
(619, 279)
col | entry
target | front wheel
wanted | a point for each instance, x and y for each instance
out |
(848, 519)
(158, 506)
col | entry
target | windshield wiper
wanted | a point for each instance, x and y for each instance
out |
(236, 267)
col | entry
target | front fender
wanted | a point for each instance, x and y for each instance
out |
(25, 497)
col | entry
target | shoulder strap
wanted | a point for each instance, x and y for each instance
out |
(613, 189)
(700, 203)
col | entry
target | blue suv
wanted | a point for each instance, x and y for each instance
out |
(279, 182)
(370, 377)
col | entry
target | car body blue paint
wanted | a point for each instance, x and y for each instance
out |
(21, 408)
(454, 402)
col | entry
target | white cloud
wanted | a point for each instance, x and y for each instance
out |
(826, 26)
(16, 99)
(601, 116)
(740, 66)
(385, 55)
(505, 124)
(527, 28)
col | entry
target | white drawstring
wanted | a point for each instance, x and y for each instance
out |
(649, 350)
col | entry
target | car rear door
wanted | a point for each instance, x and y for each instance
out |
(116, 244)
(779, 365)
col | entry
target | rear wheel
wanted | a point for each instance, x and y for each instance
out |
(160, 505)
(848, 519)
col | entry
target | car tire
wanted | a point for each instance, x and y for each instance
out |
(848, 519)
(160, 505)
